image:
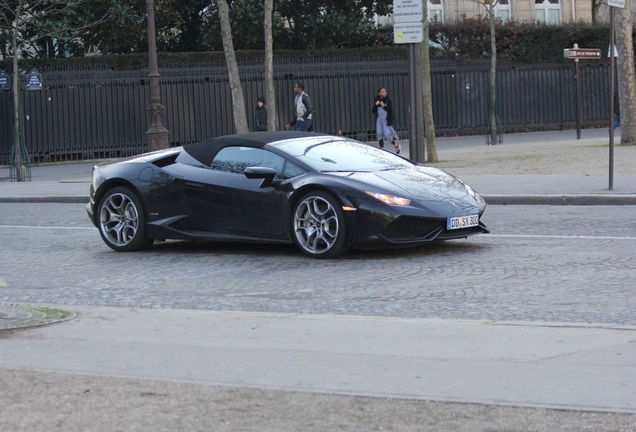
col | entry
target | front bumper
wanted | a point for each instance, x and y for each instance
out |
(382, 230)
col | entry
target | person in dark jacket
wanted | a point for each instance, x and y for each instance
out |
(617, 111)
(303, 110)
(383, 110)
(261, 115)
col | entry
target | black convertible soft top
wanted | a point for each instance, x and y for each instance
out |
(205, 151)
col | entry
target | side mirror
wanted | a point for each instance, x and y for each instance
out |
(264, 173)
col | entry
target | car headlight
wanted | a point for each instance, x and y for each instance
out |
(480, 201)
(390, 199)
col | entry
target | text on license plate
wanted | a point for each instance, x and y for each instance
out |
(462, 222)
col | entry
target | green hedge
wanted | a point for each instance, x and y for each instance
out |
(466, 39)
(517, 41)
(184, 59)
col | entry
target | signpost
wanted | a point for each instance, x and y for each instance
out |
(577, 54)
(612, 4)
(408, 28)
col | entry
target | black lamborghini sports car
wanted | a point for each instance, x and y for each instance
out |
(325, 193)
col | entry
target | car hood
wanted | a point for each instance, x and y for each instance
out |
(424, 185)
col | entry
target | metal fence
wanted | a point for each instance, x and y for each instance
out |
(96, 113)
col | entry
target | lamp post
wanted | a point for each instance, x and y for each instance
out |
(157, 134)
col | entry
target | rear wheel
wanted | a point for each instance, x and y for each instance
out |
(318, 225)
(121, 220)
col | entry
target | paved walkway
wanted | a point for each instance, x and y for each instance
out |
(157, 369)
(533, 168)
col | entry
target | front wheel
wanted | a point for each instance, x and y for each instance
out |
(122, 223)
(318, 225)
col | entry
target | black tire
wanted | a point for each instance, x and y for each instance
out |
(121, 221)
(318, 225)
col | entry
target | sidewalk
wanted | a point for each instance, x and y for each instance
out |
(550, 168)
(544, 168)
(156, 369)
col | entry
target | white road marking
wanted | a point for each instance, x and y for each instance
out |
(521, 236)
(46, 227)
(560, 237)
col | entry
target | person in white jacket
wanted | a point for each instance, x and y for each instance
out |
(303, 108)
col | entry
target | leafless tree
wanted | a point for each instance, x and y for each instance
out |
(16, 16)
(625, 72)
(238, 100)
(489, 6)
(596, 5)
(270, 95)
(427, 94)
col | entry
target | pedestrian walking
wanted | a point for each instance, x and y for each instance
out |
(261, 115)
(617, 111)
(303, 109)
(384, 118)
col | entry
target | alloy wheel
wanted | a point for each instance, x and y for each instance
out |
(316, 225)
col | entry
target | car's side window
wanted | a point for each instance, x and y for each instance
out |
(236, 159)
(292, 170)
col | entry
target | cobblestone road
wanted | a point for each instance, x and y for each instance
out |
(565, 264)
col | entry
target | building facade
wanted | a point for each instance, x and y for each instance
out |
(548, 11)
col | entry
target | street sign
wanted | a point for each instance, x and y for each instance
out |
(616, 3)
(5, 81)
(408, 11)
(582, 53)
(34, 80)
(408, 32)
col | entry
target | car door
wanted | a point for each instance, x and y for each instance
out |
(223, 200)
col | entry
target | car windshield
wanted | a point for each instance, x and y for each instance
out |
(341, 154)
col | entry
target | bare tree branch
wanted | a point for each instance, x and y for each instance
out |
(50, 10)
(17, 15)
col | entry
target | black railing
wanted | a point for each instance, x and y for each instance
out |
(97, 113)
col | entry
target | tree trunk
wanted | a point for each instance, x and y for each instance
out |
(238, 100)
(493, 77)
(427, 94)
(626, 75)
(17, 161)
(270, 95)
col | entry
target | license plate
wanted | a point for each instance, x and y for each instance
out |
(462, 222)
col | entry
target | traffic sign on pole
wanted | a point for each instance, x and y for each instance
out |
(582, 53)
(408, 28)
(411, 32)
(407, 11)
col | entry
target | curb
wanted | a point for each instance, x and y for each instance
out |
(50, 199)
(556, 199)
(522, 199)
